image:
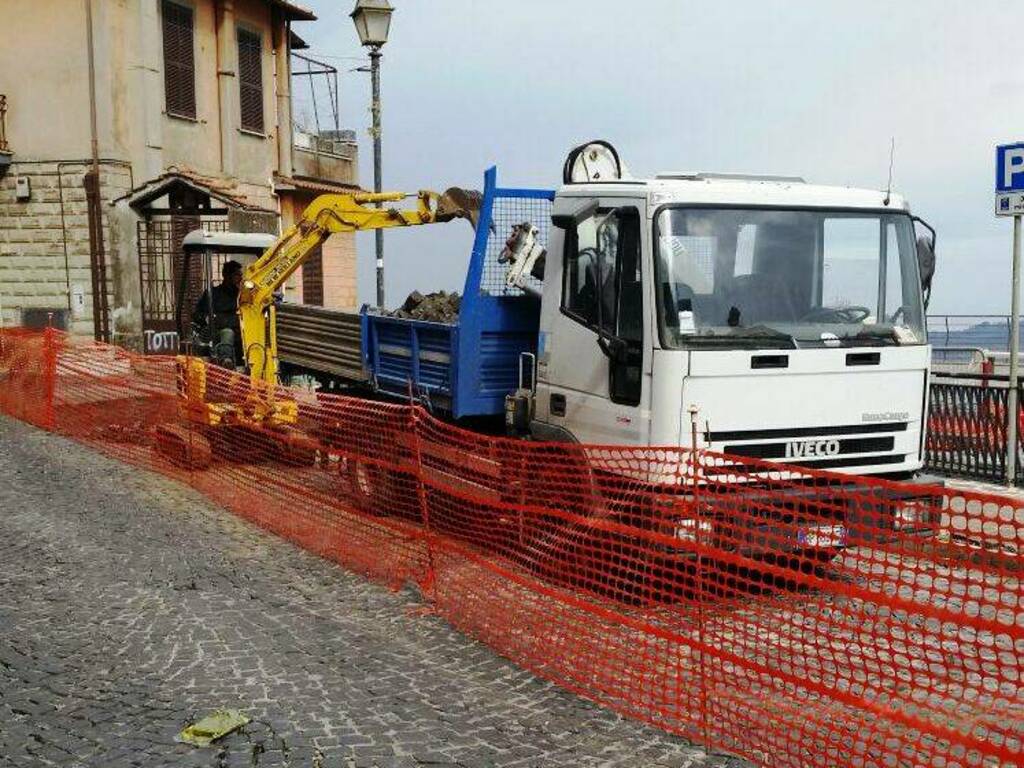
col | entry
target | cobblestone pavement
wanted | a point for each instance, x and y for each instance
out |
(129, 606)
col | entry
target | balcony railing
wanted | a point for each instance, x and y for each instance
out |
(3, 124)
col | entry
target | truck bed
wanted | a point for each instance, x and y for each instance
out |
(318, 340)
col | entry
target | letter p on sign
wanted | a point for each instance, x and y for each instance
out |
(1010, 168)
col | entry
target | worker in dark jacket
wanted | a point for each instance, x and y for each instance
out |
(222, 329)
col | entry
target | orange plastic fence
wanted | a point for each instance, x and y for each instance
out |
(777, 613)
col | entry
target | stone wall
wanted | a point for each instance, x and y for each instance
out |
(44, 241)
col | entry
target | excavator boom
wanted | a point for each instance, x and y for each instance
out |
(327, 215)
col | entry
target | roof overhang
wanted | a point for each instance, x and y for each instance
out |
(292, 11)
(227, 242)
(317, 186)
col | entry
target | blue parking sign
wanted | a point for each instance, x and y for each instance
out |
(1010, 168)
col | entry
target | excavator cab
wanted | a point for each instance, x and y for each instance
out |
(197, 315)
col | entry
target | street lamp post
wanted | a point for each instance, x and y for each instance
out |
(373, 21)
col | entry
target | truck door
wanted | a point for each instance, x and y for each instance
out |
(591, 380)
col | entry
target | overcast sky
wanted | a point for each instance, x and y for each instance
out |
(815, 89)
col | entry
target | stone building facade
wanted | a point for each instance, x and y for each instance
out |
(193, 129)
(44, 241)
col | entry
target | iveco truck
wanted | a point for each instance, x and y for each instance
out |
(789, 316)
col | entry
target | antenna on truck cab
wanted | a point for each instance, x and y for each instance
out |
(892, 160)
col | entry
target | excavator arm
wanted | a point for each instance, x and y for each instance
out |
(325, 216)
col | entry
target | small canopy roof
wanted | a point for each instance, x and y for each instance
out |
(227, 242)
(194, 192)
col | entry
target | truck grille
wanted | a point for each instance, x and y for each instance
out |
(818, 447)
(783, 450)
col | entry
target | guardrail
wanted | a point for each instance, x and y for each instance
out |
(985, 331)
(765, 610)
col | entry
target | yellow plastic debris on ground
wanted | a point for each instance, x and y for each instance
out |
(212, 727)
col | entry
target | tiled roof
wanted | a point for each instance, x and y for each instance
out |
(223, 190)
(285, 183)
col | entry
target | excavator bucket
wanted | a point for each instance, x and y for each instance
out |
(458, 203)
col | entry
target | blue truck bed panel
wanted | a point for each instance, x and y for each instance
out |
(406, 356)
(467, 368)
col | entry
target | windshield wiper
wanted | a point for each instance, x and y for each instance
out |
(879, 337)
(761, 335)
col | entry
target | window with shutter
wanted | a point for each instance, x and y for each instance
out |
(250, 80)
(313, 278)
(179, 60)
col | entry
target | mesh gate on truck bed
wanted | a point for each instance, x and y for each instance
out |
(467, 368)
(497, 322)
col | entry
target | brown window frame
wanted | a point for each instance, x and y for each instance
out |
(250, 81)
(179, 59)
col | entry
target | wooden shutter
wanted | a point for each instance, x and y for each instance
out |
(250, 80)
(313, 278)
(179, 60)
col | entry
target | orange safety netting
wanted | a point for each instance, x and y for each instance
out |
(787, 615)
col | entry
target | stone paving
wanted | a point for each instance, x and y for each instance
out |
(130, 606)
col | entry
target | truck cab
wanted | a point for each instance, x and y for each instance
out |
(786, 318)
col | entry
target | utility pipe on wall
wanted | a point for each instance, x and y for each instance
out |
(227, 86)
(97, 256)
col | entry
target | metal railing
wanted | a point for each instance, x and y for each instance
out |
(991, 332)
(322, 82)
(4, 146)
(967, 426)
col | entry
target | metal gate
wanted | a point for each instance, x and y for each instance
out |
(160, 264)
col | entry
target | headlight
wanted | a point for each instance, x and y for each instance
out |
(690, 529)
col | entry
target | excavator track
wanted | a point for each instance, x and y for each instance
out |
(183, 445)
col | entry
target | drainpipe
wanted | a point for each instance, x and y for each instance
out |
(227, 87)
(283, 57)
(92, 89)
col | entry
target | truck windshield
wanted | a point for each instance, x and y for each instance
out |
(786, 278)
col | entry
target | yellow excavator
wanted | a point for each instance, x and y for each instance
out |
(228, 411)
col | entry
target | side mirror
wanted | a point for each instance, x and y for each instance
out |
(925, 261)
(926, 258)
(581, 212)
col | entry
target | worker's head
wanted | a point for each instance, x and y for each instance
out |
(231, 273)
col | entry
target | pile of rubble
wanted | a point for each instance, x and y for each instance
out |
(438, 307)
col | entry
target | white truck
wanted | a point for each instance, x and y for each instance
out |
(789, 315)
